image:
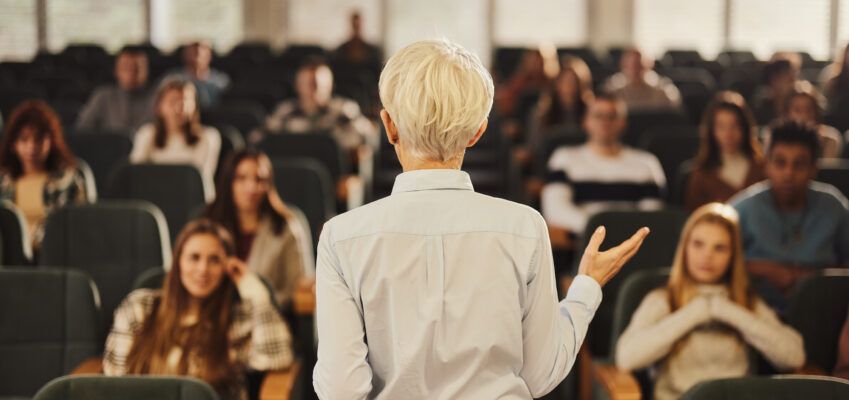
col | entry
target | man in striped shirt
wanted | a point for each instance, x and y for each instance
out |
(602, 174)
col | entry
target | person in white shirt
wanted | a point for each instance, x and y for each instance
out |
(640, 86)
(437, 292)
(176, 135)
(600, 175)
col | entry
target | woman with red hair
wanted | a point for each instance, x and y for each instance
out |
(37, 170)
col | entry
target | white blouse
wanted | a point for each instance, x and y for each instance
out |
(203, 154)
(438, 292)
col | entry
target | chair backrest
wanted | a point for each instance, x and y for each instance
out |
(48, 325)
(658, 250)
(176, 190)
(817, 310)
(111, 241)
(835, 173)
(244, 115)
(773, 388)
(101, 151)
(640, 121)
(306, 184)
(127, 388)
(90, 182)
(319, 146)
(17, 248)
(632, 292)
(673, 145)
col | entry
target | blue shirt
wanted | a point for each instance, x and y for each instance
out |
(816, 236)
(209, 90)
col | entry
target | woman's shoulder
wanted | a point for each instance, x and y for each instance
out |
(657, 299)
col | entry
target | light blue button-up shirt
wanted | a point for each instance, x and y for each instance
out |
(438, 292)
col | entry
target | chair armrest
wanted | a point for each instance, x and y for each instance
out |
(92, 365)
(619, 385)
(278, 385)
(810, 369)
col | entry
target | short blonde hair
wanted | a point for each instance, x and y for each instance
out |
(438, 94)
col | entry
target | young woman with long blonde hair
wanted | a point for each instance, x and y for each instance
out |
(706, 322)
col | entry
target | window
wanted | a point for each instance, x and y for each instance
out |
(109, 23)
(325, 22)
(767, 26)
(179, 22)
(18, 33)
(527, 23)
(661, 25)
(461, 21)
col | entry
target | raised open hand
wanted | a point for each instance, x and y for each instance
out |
(604, 265)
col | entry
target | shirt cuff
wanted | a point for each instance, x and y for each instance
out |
(585, 290)
(252, 289)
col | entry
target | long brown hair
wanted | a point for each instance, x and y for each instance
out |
(708, 157)
(552, 109)
(191, 129)
(223, 209)
(681, 286)
(37, 114)
(206, 343)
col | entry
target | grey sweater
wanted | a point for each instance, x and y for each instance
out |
(114, 109)
(716, 336)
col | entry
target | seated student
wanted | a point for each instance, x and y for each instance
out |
(791, 225)
(209, 82)
(806, 105)
(317, 110)
(37, 170)
(355, 52)
(769, 100)
(123, 106)
(564, 101)
(640, 86)
(841, 367)
(271, 238)
(705, 322)
(195, 325)
(176, 135)
(602, 174)
(729, 158)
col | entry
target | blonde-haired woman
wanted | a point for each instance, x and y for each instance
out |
(437, 291)
(705, 322)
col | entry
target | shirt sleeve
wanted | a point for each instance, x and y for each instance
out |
(128, 317)
(142, 145)
(90, 115)
(342, 370)
(270, 346)
(552, 332)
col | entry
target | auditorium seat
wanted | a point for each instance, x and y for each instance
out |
(48, 326)
(244, 115)
(16, 245)
(817, 310)
(658, 250)
(632, 292)
(773, 388)
(672, 145)
(176, 190)
(126, 388)
(102, 151)
(113, 241)
(835, 172)
(641, 121)
(319, 146)
(308, 185)
(231, 142)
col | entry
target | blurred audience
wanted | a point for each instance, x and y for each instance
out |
(316, 110)
(209, 82)
(806, 105)
(564, 100)
(125, 105)
(270, 236)
(779, 78)
(706, 321)
(836, 88)
(355, 52)
(791, 225)
(640, 86)
(601, 175)
(729, 158)
(519, 92)
(37, 169)
(195, 325)
(176, 135)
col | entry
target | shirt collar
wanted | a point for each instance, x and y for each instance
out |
(432, 179)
